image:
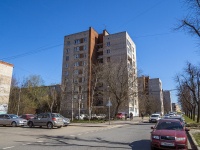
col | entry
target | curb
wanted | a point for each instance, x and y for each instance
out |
(192, 140)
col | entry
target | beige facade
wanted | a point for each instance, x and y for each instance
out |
(155, 90)
(83, 49)
(6, 70)
(167, 101)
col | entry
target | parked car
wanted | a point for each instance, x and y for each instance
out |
(49, 120)
(66, 121)
(154, 118)
(12, 120)
(120, 115)
(27, 116)
(82, 116)
(169, 134)
(178, 118)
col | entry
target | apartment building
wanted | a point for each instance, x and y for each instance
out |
(81, 51)
(143, 95)
(6, 70)
(167, 101)
(156, 92)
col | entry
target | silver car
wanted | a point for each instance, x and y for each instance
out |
(49, 120)
(12, 120)
(66, 121)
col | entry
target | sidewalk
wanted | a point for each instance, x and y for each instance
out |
(112, 123)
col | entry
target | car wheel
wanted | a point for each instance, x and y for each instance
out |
(49, 125)
(14, 124)
(30, 124)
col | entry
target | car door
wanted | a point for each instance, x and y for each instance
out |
(1, 119)
(37, 120)
(7, 120)
(45, 118)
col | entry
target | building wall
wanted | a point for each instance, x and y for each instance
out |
(167, 101)
(155, 90)
(6, 70)
(96, 51)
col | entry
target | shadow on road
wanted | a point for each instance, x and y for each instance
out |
(140, 145)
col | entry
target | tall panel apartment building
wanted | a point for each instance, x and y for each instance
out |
(83, 49)
(167, 101)
(155, 91)
(6, 70)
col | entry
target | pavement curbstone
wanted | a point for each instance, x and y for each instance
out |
(193, 141)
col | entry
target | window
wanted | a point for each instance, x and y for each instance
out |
(108, 59)
(76, 56)
(85, 39)
(108, 43)
(84, 47)
(67, 73)
(76, 48)
(75, 71)
(68, 42)
(67, 65)
(67, 58)
(67, 50)
(108, 51)
(77, 41)
(76, 64)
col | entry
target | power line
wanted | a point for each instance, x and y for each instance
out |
(30, 52)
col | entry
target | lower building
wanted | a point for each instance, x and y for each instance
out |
(6, 70)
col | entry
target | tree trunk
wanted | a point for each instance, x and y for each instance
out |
(193, 116)
(198, 111)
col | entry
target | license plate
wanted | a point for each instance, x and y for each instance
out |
(167, 144)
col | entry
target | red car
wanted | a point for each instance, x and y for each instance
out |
(169, 134)
(120, 116)
(27, 116)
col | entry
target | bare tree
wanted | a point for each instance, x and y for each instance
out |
(122, 81)
(191, 23)
(190, 81)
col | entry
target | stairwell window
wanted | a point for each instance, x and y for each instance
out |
(108, 51)
(67, 58)
(108, 59)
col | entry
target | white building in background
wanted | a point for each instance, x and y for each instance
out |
(6, 70)
(155, 91)
(81, 51)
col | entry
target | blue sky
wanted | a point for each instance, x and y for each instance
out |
(32, 34)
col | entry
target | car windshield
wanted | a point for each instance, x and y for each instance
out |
(154, 115)
(55, 115)
(169, 126)
(14, 116)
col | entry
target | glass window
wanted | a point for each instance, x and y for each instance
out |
(67, 65)
(85, 39)
(67, 50)
(68, 42)
(67, 58)
(76, 56)
(108, 51)
(108, 59)
(108, 43)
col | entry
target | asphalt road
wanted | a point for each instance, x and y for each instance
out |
(84, 137)
(119, 135)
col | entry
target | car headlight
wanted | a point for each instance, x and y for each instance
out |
(180, 139)
(155, 137)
